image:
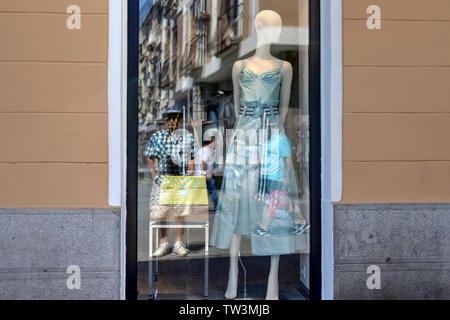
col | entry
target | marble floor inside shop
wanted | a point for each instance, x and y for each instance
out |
(182, 278)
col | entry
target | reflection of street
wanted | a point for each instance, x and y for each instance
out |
(182, 277)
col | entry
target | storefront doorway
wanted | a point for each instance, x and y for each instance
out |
(181, 91)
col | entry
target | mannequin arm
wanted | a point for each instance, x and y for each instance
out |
(191, 167)
(237, 68)
(152, 165)
(285, 91)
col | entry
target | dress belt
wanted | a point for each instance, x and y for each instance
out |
(258, 110)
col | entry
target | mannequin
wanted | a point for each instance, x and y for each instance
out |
(268, 26)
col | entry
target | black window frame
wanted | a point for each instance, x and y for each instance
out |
(315, 281)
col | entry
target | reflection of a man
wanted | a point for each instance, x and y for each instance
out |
(205, 161)
(171, 151)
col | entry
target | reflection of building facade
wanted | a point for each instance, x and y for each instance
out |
(177, 39)
(183, 40)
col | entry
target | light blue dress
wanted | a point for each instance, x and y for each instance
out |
(259, 196)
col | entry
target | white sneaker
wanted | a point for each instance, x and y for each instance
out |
(162, 250)
(179, 249)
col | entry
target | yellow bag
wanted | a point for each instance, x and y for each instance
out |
(183, 191)
(181, 196)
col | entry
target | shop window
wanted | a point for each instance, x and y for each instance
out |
(223, 187)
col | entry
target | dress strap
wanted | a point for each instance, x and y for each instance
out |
(280, 64)
(243, 63)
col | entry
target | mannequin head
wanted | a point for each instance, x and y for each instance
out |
(268, 25)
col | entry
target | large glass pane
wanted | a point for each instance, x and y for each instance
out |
(223, 150)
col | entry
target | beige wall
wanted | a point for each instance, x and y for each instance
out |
(288, 10)
(53, 105)
(396, 127)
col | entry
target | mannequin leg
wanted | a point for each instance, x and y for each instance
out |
(163, 238)
(272, 283)
(179, 232)
(231, 292)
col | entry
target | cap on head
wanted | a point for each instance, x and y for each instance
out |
(211, 133)
(175, 109)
